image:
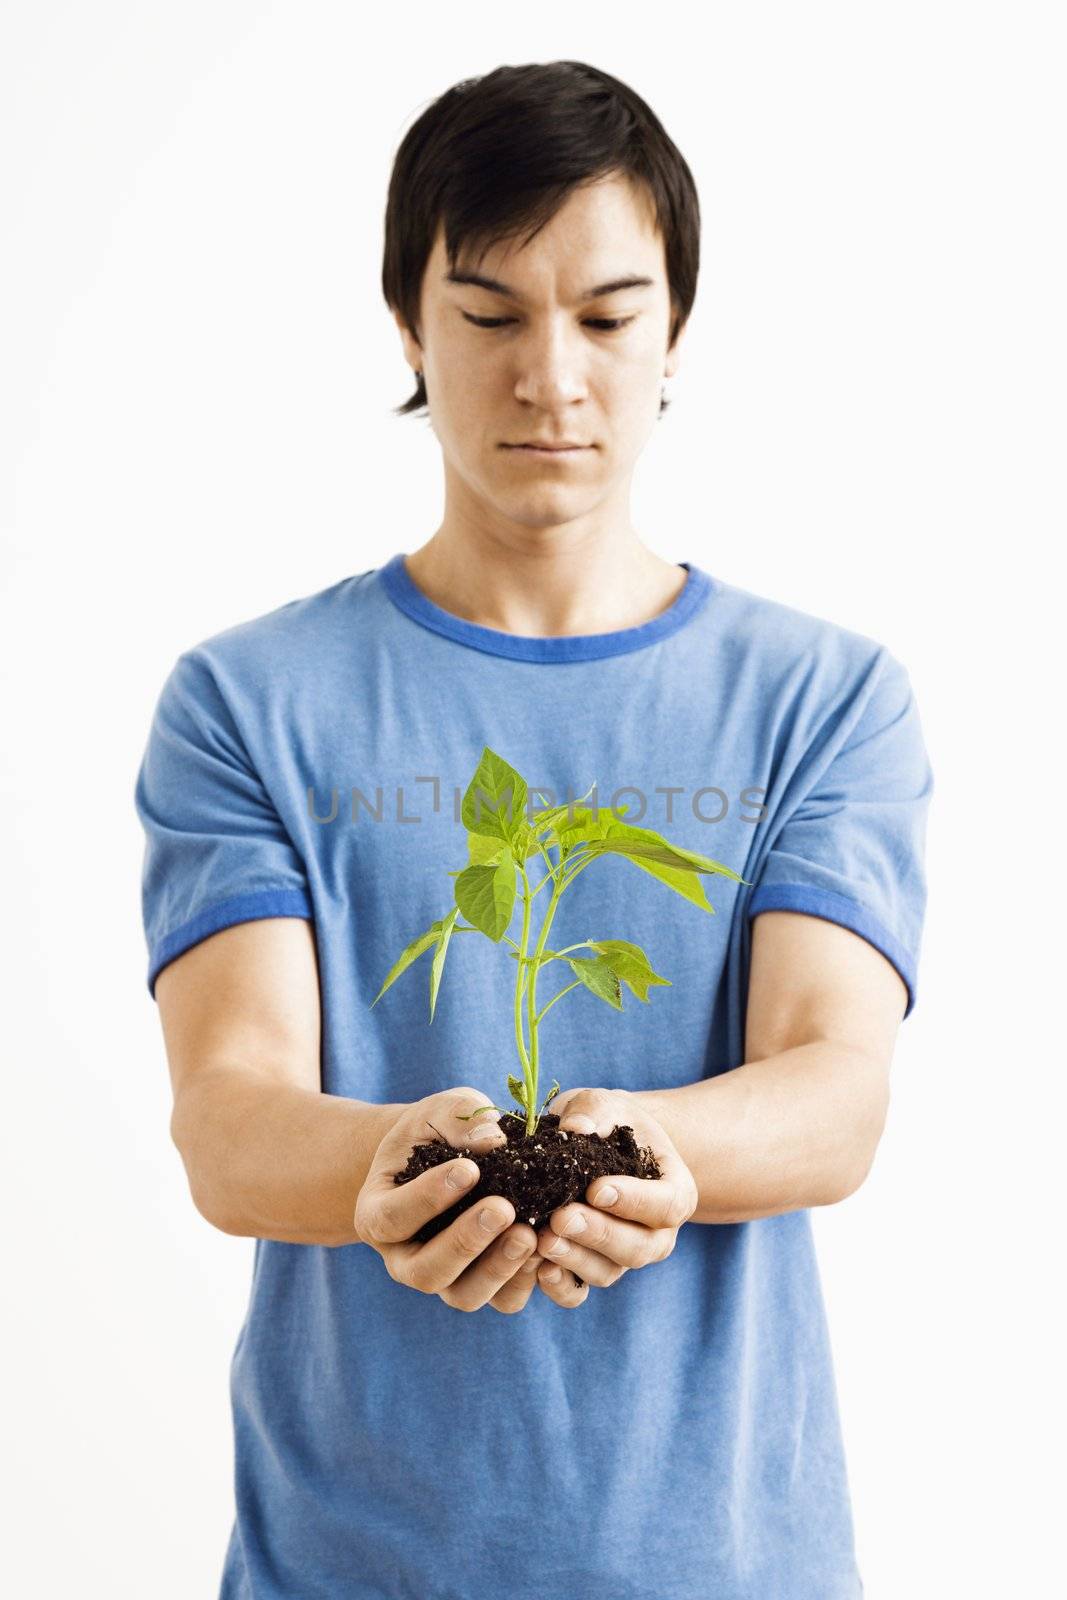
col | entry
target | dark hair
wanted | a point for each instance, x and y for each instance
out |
(494, 154)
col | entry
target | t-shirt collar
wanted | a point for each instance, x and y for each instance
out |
(408, 598)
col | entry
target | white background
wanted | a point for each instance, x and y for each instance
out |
(868, 425)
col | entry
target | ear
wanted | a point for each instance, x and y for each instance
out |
(674, 354)
(412, 349)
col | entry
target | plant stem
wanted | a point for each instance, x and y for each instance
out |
(557, 890)
(519, 1042)
(575, 985)
(567, 948)
(583, 862)
(549, 877)
(552, 870)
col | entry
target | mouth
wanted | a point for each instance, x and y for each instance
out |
(548, 451)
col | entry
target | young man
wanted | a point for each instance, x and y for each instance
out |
(654, 1416)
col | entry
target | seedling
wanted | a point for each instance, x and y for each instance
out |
(503, 835)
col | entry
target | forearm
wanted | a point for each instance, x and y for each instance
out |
(274, 1161)
(794, 1130)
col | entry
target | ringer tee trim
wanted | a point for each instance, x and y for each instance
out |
(409, 599)
(239, 908)
(848, 913)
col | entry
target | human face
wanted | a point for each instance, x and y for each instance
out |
(543, 349)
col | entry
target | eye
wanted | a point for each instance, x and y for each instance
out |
(600, 324)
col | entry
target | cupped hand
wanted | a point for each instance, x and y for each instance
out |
(599, 1241)
(480, 1259)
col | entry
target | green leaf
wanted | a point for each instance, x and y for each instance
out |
(495, 801)
(597, 975)
(681, 881)
(654, 847)
(486, 897)
(647, 845)
(484, 851)
(438, 965)
(525, 844)
(670, 864)
(585, 825)
(518, 1089)
(474, 1113)
(630, 964)
(553, 815)
(551, 1093)
(412, 953)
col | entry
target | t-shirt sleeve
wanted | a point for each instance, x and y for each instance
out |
(852, 845)
(216, 851)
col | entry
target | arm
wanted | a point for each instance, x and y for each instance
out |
(798, 1124)
(267, 1154)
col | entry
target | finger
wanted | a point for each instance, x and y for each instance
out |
(464, 1128)
(561, 1286)
(653, 1202)
(516, 1292)
(567, 1107)
(389, 1213)
(663, 1202)
(599, 1266)
(580, 1237)
(494, 1269)
(437, 1264)
(453, 1124)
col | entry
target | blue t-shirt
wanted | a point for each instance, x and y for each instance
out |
(677, 1436)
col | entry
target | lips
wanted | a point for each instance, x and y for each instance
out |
(546, 449)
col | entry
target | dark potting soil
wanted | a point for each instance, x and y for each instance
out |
(538, 1174)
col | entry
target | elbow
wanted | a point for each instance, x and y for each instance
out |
(210, 1211)
(207, 1204)
(851, 1179)
(858, 1159)
(201, 1191)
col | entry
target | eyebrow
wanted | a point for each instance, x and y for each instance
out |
(494, 286)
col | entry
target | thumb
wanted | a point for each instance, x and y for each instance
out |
(574, 1110)
(452, 1119)
(428, 1123)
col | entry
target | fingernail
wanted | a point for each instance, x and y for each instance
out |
(553, 1275)
(575, 1226)
(578, 1124)
(515, 1249)
(606, 1196)
(489, 1220)
(461, 1174)
(488, 1130)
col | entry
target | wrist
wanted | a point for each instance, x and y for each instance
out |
(658, 1104)
(383, 1118)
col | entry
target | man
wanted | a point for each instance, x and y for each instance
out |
(677, 1437)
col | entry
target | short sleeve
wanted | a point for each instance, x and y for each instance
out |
(852, 848)
(216, 852)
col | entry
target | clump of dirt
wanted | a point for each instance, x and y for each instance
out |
(537, 1174)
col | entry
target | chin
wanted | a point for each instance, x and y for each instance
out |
(527, 516)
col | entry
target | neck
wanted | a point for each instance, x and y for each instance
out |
(545, 583)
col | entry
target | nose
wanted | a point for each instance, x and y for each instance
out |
(550, 368)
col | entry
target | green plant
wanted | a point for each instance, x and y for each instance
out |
(501, 838)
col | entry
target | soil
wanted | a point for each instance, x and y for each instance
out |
(538, 1174)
